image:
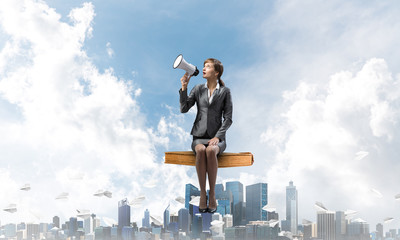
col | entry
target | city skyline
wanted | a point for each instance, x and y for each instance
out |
(326, 220)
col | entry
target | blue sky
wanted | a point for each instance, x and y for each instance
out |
(89, 101)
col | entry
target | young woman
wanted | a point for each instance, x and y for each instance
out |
(214, 117)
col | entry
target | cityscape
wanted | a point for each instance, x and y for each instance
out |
(240, 215)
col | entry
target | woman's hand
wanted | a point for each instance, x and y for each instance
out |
(185, 81)
(213, 141)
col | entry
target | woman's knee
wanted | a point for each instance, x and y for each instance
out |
(212, 150)
(200, 149)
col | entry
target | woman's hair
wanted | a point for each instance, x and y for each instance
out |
(218, 68)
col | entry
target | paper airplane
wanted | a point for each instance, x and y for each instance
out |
(108, 194)
(273, 222)
(397, 197)
(109, 221)
(150, 184)
(26, 187)
(269, 208)
(63, 195)
(137, 201)
(359, 220)
(54, 229)
(320, 207)
(360, 155)
(195, 201)
(12, 208)
(377, 193)
(156, 220)
(217, 223)
(83, 213)
(388, 220)
(349, 213)
(180, 200)
(101, 193)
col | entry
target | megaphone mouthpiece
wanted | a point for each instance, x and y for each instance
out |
(182, 64)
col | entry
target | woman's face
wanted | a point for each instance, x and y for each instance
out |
(209, 71)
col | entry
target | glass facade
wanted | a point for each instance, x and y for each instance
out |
(292, 207)
(236, 189)
(124, 213)
(166, 217)
(256, 199)
(184, 220)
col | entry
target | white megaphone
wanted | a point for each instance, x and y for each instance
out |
(182, 64)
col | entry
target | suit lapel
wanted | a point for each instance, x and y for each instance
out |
(204, 95)
(216, 96)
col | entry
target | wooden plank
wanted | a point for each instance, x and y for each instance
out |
(224, 160)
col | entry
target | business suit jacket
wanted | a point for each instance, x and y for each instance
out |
(209, 116)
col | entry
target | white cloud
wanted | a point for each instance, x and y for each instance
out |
(70, 119)
(322, 127)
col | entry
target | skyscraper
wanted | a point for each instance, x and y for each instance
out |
(183, 220)
(359, 229)
(56, 221)
(379, 231)
(340, 225)
(236, 189)
(73, 226)
(225, 200)
(326, 225)
(146, 219)
(291, 207)
(256, 199)
(197, 226)
(124, 214)
(166, 218)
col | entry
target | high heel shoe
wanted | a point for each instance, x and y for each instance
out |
(212, 210)
(203, 210)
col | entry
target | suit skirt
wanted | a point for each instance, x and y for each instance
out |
(204, 140)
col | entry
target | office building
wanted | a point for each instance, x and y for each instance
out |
(56, 221)
(359, 229)
(197, 226)
(326, 225)
(256, 199)
(32, 231)
(88, 225)
(379, 231)
(146, 219)
(236, 189)
(184, 220)
(292, 207)
(340, 225)
(124, 214)
(166, 217)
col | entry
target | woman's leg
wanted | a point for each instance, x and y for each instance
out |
(201, 168)
(212, 168)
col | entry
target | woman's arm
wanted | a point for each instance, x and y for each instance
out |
(186, 102)
(227, 115)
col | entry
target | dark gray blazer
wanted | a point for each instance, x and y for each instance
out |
(209, 116)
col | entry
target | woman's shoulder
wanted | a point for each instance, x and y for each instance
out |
(225, 89)
(198, 86)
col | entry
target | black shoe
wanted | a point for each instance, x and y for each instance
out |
(211, 210)
(203, 210)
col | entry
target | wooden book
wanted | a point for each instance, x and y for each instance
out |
(224, 160)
